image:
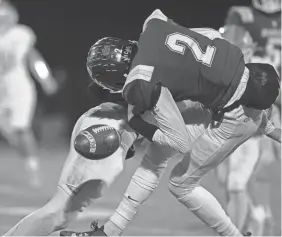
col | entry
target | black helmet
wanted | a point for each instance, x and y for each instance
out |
(263, 86)
(109, 61)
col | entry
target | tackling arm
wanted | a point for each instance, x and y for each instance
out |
(154, 114)
(267, 126)
(275, 135)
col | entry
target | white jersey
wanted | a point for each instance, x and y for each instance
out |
(17, 88)
(14, 46)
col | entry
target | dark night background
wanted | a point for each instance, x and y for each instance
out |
(66, 29)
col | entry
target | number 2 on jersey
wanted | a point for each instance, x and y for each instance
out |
(178, 43)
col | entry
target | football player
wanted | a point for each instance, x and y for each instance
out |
(262, 21)
(83, 180)
(181, 76)
(19, 58)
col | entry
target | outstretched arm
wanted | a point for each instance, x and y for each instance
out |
(267, 126)
(275, 135)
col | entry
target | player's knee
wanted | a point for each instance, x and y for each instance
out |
(146, 178)
(155, 166)
(58, 211)
(181, 189)
(180, 182)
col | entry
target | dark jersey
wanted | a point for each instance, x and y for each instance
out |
(265, 30)
(197, 66)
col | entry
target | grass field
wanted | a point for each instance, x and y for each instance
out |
(160, 215)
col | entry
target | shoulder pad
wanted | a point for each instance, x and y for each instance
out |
(157, 14)
(23, 30)
(245, 13)
(22, 33)
(208, 32)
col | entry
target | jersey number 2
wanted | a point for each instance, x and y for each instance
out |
(178, 43)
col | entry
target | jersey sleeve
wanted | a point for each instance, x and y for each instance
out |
(267, 124)
(157, 14)
(138, 91)
(239, 15)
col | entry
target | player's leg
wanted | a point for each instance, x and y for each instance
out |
(261, 219)
(261, 181)
(22, 106)
(143, 183)
(241, 166)
(209, 150)
(147, 176)
(81, 182)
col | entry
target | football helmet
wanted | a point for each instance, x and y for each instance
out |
(109, 61)
(263, 86)
(267, 6)
(240, 37)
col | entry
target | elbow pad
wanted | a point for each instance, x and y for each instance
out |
(142, 94)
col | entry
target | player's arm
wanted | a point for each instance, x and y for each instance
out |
(239, 16)
(267, 126)
(40, 70)
(169, 129)
(275, 134)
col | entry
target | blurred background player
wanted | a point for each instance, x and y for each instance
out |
(257, 31)
(20, 62)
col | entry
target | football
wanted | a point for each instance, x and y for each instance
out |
(97, 142)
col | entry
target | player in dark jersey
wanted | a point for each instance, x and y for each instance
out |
(263, 22)
(180, 77)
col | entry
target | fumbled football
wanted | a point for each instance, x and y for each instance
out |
(97, 142)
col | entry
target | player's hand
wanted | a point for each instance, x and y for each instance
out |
(275, 135)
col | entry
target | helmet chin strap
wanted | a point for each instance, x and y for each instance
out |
(115, 92)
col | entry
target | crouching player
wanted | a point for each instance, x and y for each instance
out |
(82, 180)
(169, 68)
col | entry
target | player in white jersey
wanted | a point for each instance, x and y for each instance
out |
(235, 172)
(261, 23)
(19, 59)
(82, 180)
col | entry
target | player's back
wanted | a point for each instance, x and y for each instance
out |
(190, 64)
